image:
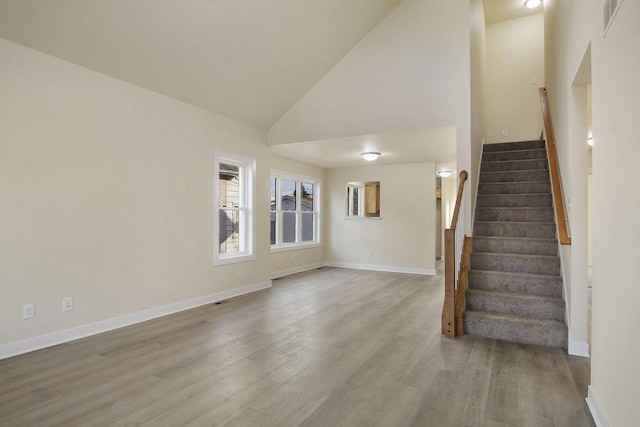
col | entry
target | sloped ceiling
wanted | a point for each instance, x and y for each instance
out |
(249, 60)
(503, 10)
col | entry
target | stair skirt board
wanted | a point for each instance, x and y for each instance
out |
(515, 289)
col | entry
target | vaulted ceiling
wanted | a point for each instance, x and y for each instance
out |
(249, 60)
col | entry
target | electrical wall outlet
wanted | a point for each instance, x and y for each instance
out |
(370, 254)
(293, 256)
(28, 311)
(505, 132)
(67, 304)
(240, 271)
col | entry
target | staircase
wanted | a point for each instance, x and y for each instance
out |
(515, 288)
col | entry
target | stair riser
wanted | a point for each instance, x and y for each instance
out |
(515, 188)
(515, 331)
(515, 214)
(521, 283)
(542, 309)
(521, 145)
(515, 176)
(515, 246)
(501, 156)
(512, 166)
(544, 230)
(514, 200)
(515, 263)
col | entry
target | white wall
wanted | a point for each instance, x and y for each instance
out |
(570, 27)
(290, 261)
(402, 239)
(515, 54)
(410, 72)
(478, 101)
(106, 195)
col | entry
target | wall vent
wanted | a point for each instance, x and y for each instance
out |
(609, 10)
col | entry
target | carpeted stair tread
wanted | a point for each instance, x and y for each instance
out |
(516, 245)
(515, 229)
(533, 187)
(515, 214)
(515, 263)
(513, 200)
(515, 176)
(512, 165)
(528, 330)
(537, 284)
(519, 304)
(509, 155)
(518, 145)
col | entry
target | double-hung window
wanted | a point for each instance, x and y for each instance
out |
(294, 205)
(233, 222)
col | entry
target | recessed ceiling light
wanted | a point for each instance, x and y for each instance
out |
(370, 155)
(590, 141)
(532, 4)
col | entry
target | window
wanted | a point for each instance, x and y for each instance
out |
(294, 211)
(354, 199)
(233, 225)
(363, 199)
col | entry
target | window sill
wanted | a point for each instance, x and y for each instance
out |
(233, 259)
(362, 218)
(294, 247)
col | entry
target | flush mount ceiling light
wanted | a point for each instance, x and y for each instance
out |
(444, 174)
(370, 156)
(532, 4)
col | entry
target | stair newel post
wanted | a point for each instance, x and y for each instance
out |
(448, 310)
(449, 307)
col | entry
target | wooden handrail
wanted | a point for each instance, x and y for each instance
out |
(449, 307)
(456, 210)
(561, 217)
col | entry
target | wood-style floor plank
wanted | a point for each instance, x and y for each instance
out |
(329, 347)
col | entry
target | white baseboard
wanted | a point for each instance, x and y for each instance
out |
(387, 268)
(294, 270)
(43, 341)
(596, 410)
(577, 348)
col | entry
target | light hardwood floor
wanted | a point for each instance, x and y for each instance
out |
(330, 347)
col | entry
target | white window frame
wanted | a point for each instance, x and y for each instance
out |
(280, 246)
(246, 171)
(350, 212)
